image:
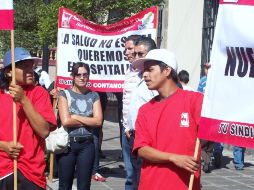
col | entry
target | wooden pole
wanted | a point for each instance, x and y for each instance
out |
(51, 166)
(195, 156)
(15, 163)
(52, 155)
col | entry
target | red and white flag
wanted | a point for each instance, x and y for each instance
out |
(6, 15)
(227, 112)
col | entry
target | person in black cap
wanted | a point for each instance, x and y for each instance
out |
(35, 117)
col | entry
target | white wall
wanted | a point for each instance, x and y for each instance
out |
(182, 34)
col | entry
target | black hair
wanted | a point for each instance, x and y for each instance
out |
(149, 43)
(77, 65)
(183, 76)
(133, 38)
(173, 73)
(4, 80)
(36, 78)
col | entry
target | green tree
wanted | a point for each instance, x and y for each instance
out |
(93, 10)
(36, 22)
(26, 27)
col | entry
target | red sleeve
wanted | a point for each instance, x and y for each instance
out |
(42, 104)
(142, 135)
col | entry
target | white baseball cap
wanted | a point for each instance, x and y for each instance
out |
(161, 55)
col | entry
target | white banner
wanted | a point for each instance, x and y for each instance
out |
(100, 46)
(228, 107)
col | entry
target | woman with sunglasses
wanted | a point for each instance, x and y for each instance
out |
(79, 116)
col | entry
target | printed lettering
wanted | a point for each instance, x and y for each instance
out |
(242, 131)
(223, 128)
(66, 39)
(80, 40)
(105, 69)
(240, 58)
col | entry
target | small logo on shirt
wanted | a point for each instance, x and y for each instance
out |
(184, 120)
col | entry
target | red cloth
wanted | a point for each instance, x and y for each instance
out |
(163, 126)
(6, 15)
(31, 160)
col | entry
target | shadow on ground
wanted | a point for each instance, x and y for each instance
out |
(112, 165)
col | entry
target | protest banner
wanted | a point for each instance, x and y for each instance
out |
(227, 112)
(100, 46)
(6, 15)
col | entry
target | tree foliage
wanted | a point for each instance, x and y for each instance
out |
(93, 10)
(36, 21)
(26, 27)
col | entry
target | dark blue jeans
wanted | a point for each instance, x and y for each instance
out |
(119, 97)
(96, 164)
(126, 148)
(136, 162)
(81, 155)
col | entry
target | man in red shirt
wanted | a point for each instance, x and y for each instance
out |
(35, 116)
(166, 127)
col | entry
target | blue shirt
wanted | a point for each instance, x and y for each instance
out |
(202, 84)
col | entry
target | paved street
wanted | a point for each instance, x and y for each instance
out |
(226, 178)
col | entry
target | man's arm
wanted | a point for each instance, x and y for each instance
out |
(38, 123)
(10, 148)
(155, 156)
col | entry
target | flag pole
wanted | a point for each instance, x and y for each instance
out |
(52, 155)
(15, 163)
(195, 156)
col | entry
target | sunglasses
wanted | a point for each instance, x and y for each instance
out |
(79, 75)
(139, 54)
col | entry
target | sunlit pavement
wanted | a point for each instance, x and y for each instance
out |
(225, 178)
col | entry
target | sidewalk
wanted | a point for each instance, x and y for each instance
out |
(226, 178)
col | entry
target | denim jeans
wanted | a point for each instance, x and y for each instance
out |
(136, 162)
(238, 153)
(218, 148)
(96, 164)
(126, 148)
(217, 154)
(119, 96)
(81, 155)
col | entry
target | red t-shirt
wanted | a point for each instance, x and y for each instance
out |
(169, 126)
(31, 160)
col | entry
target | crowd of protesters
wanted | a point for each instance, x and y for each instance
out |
(156, 100)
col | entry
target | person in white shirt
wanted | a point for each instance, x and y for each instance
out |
(183, 77)
(138, 94)
(130, 81)
(44, 78)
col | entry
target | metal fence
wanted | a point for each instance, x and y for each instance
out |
(209, 21)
